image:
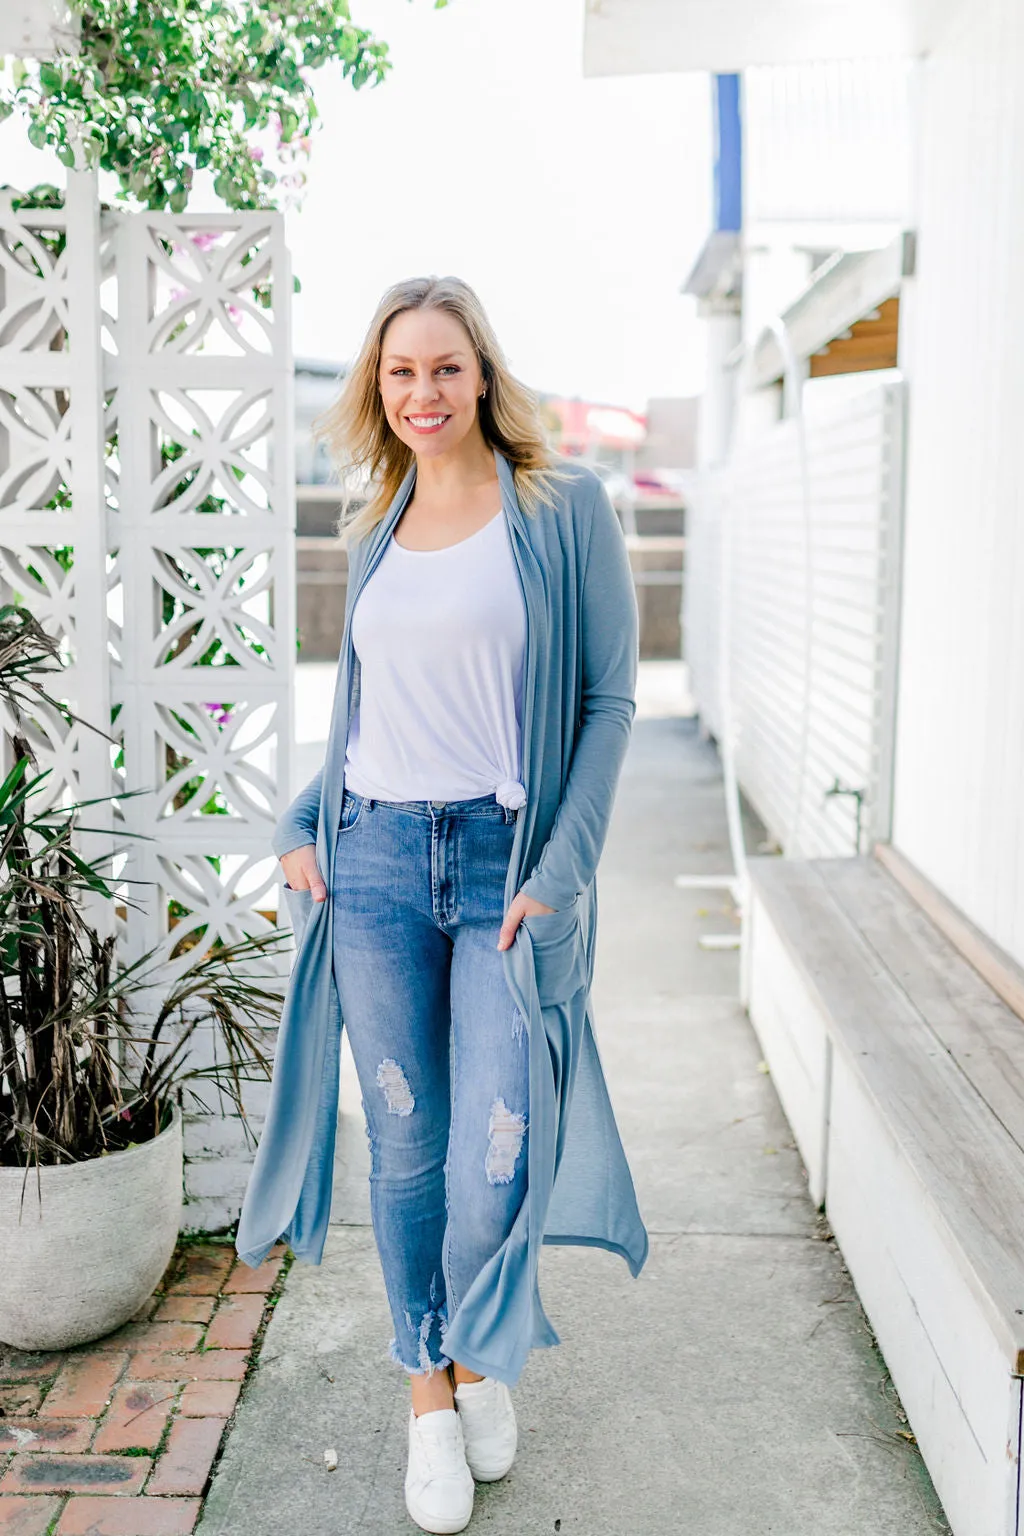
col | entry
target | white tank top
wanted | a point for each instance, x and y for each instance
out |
(440, 636)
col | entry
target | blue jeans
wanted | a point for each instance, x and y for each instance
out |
(439, 1046)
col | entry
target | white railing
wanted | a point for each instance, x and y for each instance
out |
(808, 690)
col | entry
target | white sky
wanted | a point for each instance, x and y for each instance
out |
(575, 207)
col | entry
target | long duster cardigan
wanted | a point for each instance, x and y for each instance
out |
(579, 691)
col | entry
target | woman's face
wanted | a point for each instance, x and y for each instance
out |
(430, 380)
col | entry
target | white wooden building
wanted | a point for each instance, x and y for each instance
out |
(854, 622)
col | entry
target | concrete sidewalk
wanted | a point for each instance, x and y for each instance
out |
(733, 1390)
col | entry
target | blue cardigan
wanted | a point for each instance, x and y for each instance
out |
(580, 678)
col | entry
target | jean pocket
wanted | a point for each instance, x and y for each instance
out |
(351, 810)
(560, 964)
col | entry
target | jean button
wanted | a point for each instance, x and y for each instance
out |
(438, 805)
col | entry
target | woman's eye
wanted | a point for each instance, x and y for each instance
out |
(397, 373)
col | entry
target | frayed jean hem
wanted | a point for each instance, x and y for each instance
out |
(421, 1368)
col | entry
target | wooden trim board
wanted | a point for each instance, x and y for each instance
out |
(1003, 974)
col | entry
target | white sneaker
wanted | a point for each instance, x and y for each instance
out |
(488, 1426)
(438, 1484)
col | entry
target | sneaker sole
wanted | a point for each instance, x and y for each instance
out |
(484, 1473)
(437, 1527)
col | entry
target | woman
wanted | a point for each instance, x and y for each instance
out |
(440, 875)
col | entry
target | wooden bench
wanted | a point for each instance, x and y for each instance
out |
(902, 1074)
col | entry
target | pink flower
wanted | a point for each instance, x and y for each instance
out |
(255, 153)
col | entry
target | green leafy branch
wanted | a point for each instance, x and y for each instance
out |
(159, 89)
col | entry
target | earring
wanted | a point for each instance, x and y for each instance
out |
(483, 392)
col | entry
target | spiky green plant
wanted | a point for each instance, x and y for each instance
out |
(83, 1068)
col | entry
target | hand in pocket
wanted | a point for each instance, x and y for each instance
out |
(301, 872)
(522, 906)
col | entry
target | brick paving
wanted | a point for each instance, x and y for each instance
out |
(118, 1437)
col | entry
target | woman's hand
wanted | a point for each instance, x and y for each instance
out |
(522, 906)
(301, 872)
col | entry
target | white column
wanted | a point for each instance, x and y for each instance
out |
(723, 330)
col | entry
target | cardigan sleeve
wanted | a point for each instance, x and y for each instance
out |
(609, 643)
(298, 825)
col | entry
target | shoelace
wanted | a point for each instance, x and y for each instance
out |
(433, 1443)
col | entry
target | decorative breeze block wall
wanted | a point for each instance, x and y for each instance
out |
(147, 519)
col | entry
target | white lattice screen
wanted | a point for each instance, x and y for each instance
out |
(147, 518)
(53, 550)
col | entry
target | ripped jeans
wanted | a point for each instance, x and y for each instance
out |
(439, 1046)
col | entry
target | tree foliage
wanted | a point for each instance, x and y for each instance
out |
(159, 89)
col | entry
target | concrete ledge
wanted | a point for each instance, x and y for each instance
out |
(321, 578)
(656, 561)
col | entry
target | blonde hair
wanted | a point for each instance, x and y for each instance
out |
(362, 444)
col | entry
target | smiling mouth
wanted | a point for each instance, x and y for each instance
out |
(426, 423)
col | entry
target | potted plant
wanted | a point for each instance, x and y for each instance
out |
(94, 1053)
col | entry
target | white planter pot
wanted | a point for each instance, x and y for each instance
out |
(89, 1243)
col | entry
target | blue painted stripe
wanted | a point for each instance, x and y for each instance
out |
(728, 154)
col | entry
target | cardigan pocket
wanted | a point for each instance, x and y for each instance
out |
(560, 964)
(300, 904)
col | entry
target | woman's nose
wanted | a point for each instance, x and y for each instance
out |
(425, 389)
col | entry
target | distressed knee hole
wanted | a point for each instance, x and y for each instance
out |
(395, 1085)
(504, 1144)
